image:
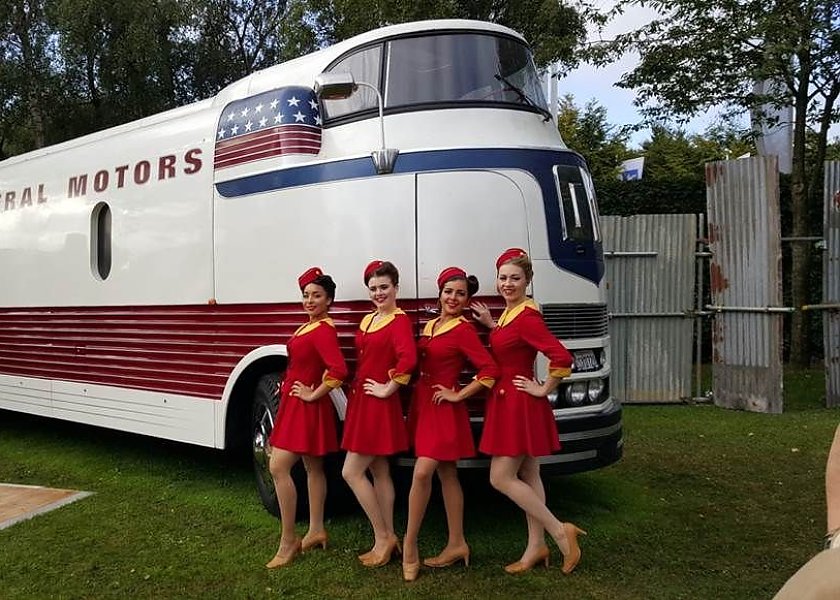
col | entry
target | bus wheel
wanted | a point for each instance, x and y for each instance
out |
(263, 410)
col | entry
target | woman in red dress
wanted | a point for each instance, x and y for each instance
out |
(438, 422)
(518, 424)
(375, 428)
(305, 423)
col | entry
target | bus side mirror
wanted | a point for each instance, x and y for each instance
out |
(335, 86)
(340, 86)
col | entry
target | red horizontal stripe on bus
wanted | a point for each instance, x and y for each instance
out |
(268, 153)
(264, 137)
(189, 350)
(279, 143)
(287, 150)
(267, 133)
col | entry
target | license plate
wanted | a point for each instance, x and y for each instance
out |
(585, 360)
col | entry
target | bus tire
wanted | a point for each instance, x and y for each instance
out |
(263, 410)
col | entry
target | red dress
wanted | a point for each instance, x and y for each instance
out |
(314, 357)
(385, 350)
(515, 422)
(442, 431)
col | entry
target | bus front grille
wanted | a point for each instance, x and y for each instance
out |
(576, 321)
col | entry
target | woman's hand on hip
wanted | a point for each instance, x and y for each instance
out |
(529, 386)
(377, 389)
(444, 393)
(302, 391)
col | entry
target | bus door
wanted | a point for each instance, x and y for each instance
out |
(465, 219)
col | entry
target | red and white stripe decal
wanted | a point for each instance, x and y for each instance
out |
(189, 350)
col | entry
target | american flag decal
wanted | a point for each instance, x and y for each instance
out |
(276, 123)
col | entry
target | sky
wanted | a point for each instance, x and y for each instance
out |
(587, 82)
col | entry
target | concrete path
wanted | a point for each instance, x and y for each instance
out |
(21, 502)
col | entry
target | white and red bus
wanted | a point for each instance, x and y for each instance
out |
(148, 271)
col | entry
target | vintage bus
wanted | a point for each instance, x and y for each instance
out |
(148, 271)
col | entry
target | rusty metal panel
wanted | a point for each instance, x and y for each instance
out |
(650, 267)
(745, 276)
(831, 283)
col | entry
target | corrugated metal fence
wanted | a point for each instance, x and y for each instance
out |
(745, 278)
(650, 271)
(831, 284)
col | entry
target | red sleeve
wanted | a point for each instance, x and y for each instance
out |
(330, 353)
(536, 334)
(478, 356)
(403, 339)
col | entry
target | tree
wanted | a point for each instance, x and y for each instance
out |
(553, 28)
(674, 172)
(587, 132)
(27, 53)
(705, 53)
(230, 39)
(118, 60)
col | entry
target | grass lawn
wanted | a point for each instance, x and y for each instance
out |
(707, 503)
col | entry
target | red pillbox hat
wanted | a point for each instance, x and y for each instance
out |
(450, 273)
(372, 266)
(310, 275)
(509, 255)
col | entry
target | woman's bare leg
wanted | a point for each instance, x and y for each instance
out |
(418, 500)
(453, 502)
(281, 464)
(383, 486)
(504, 477)
(316, 485)
(355, 466)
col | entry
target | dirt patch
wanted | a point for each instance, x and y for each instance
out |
(21, 502)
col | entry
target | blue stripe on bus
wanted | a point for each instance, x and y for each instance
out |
(582, 258)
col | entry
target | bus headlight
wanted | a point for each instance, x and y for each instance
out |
(576, 393)
(595, 389)
(554, 398)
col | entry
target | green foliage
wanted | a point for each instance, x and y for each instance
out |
(553, 28)
(705, 53)
(229, 39)
(28, 87)
(587, 132)
(674, 171)
(117, 60)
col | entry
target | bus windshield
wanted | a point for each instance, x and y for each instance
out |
(452, 68)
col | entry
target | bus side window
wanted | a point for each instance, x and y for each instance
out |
(100, 241)
(577, 202)
(365, 65)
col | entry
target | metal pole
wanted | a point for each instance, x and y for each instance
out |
(698, 321)
(750, 309)
(380, 103)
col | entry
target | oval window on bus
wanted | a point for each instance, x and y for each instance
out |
(100, 241)
(579, 208)
(365, 65)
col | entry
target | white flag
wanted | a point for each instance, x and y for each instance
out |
(774, 126)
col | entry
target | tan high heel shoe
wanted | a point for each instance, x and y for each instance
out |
(411, 571)
(368, 556)
(449, 557)
(281, 559)
(521, 566)
(380, 560)
(571, 559)
(316, 539)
